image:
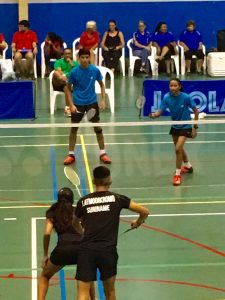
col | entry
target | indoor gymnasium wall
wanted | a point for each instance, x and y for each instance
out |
(68, 17)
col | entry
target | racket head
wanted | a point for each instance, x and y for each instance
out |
(72, 176)
(91, 114)
(140, 102)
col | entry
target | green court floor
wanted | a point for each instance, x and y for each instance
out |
(179, 253)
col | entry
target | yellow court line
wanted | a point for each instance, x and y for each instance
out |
(87, 166)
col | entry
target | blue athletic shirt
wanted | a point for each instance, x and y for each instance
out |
(163, 39)
(143, 39)
(179, 108)
(191, 39)
(83, 81)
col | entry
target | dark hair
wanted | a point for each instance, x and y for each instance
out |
(113, 21)
(67, 48)
(55, 38)
(25, 23)
(159, 25)
(61, 213)
(84, 51)
(102, 176)
(178, 81)
(190, 22)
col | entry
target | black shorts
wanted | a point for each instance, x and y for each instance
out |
(181, 132)
(65, 254)
(90, 260)
(78, 116)
(198, 53)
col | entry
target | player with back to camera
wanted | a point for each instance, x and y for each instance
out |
(179, 105)
(60, 217)
(100, 212)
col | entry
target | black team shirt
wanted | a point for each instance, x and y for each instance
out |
(100, 212)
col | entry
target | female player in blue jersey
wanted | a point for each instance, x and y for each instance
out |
(179, 104)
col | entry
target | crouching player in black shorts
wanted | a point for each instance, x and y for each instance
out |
(60, 216)
(100, 212)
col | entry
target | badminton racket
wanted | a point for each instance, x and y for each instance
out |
(90, 114)
(140, 102)
(72, 176)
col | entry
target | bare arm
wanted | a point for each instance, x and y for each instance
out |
(184, 46)
(156, 114)
(141, 210)
(195, 127)
(103, 42)
(77, 226)
(46, 240)
(13, 46)
(122, 43)
(3, 44)
(34, 45)
(69, 98)
(102, 104)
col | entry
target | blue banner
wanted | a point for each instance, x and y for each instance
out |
(209, 95)
(17, 100)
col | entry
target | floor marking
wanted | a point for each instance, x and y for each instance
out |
(188, 265)
(10, 219)
(178, 215)
(88, 171)
(106, 134)
(110, 144)
(34, 258)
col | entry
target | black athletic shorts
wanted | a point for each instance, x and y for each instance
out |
(78, 116)
(181, 132)
(198, 53)
(89, 260)
(65, 254)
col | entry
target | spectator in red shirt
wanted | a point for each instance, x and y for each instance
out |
(3, 44)
(24, 45)
(90, 39)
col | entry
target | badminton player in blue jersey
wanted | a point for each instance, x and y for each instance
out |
(180, 105)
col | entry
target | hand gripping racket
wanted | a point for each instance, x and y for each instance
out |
(72, 176)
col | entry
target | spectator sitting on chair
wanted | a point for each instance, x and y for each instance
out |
(142, 45)
(3, 44)
(191, 41)
(112, 44)
(53, 48)
(62, 68)
(24, 45)
(165, 44)
(90, 39)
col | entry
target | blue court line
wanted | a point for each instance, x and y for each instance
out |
(55, 197)
(84, 189)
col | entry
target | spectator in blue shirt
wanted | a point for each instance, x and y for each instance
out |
(191, 41)
(142, 45)
(165, 44)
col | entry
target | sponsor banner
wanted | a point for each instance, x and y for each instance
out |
(209, 95)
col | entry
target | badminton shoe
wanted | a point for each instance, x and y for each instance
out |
(69, 159)
(176, 180)
(185, 170)
(105, 159)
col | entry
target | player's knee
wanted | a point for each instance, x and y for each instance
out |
(178, 150)
(98, 130)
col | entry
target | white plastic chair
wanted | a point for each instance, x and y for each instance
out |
(43, 67)
(122, 60)
(4, 52)
(75, 51)
(182, 59)
(53, 94)
(132, 58)
(175, 58)
(109, 91)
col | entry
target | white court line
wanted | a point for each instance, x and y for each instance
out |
(110, 144)
(34, 259)
(178, 215)
(10, 219)
(106, 134)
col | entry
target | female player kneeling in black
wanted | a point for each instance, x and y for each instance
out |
(60, 216)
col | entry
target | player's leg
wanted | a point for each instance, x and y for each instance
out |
(178, 142)
(109, 288)
(83, 290)
(43, 282)
(75, 118)
(18, 63)
(99, 134)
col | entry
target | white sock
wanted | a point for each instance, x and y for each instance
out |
(177, 171)
(71, 152)
(187, 164)
(102, 152)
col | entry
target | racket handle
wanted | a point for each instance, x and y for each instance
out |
(79, 193)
